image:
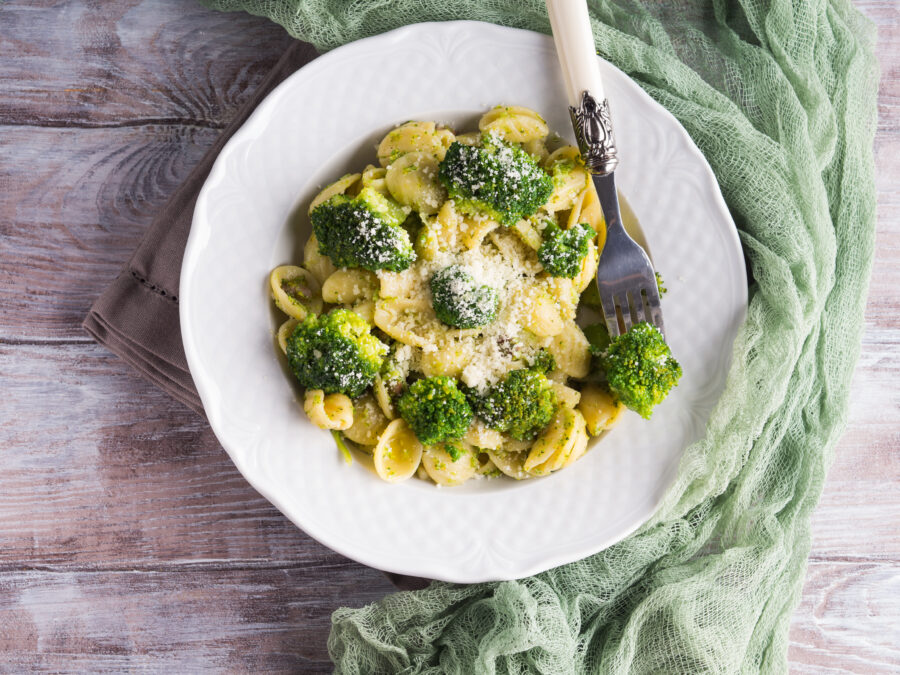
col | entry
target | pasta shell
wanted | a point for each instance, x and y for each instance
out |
(347, 286)
(514, 124)
(600, 410)
(444, 470)
(338, 187)
(295, 291)
(414, 137)
(398, 452)
(284, 332)
(317, 263)
(334, 411)
(413, 181)
(369, 421)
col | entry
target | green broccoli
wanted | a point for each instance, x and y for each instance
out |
(543, 362)
(436, 410)
(590, 297)
(521, 404)
(393, 374)
(640, 368)
(495, 179)
(563, 251)
(597, 335)
(335, 352)
(454, 451)
(363, 231)
(459, 301)
(660, 284)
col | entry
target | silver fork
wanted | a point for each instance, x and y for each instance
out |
(625, 277)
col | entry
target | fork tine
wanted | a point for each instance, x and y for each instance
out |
(626, 311)
(655, 309)
(638, 313)
(608, 304)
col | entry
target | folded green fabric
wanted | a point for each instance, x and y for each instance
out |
(780, 96)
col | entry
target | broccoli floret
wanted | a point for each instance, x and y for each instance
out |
(495, 179)
(363, 231)
(590, 297)
(563, 251)
(335, 352)
(543, 362)
(393, 374)
(454, 451)
(521, 404)
(640, 368)
(660, 284)
(460, 301)
(597, 335)
(436, 410)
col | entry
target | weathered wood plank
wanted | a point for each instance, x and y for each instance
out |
(848, 620)
(181, 621)
(71, 63)
(102, 470)
(74, 203)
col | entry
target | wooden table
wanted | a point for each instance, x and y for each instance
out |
(127, 538)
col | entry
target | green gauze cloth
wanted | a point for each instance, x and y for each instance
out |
(780, 97)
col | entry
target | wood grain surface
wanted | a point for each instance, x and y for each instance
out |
(128, 541)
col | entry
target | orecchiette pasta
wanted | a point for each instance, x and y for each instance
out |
(588, 270)
(365, 309)
(318, 264)
(284, 332)
(567, 396)
(586, 209)
(556, 444)
(334, 411)
(527, 233)
(600, 410)
(471, 138)
(381, 389)
(450, 464)
(397, 453)
(537, 149)
(338, 187)
(514, 124)
(414, 137)
(295, 291)
(450, 295)
(439, 234)
(542, 313)
(346, 286)
(369, 422)
(481, 436)
(412, 180)
(373, 177)
(448, 359)
(472, 231)
(511, 464)
(570, 179)
(571, 350)
(407, 320)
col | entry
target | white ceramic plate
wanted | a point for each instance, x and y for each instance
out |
(325, 120)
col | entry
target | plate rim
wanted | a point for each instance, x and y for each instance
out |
(204, 388)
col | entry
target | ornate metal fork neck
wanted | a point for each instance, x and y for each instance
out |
(593, 130)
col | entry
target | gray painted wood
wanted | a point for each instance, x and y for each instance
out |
(127, 538)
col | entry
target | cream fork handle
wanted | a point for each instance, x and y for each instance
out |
(575, 45)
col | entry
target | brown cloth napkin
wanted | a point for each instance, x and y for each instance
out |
(136, 317)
